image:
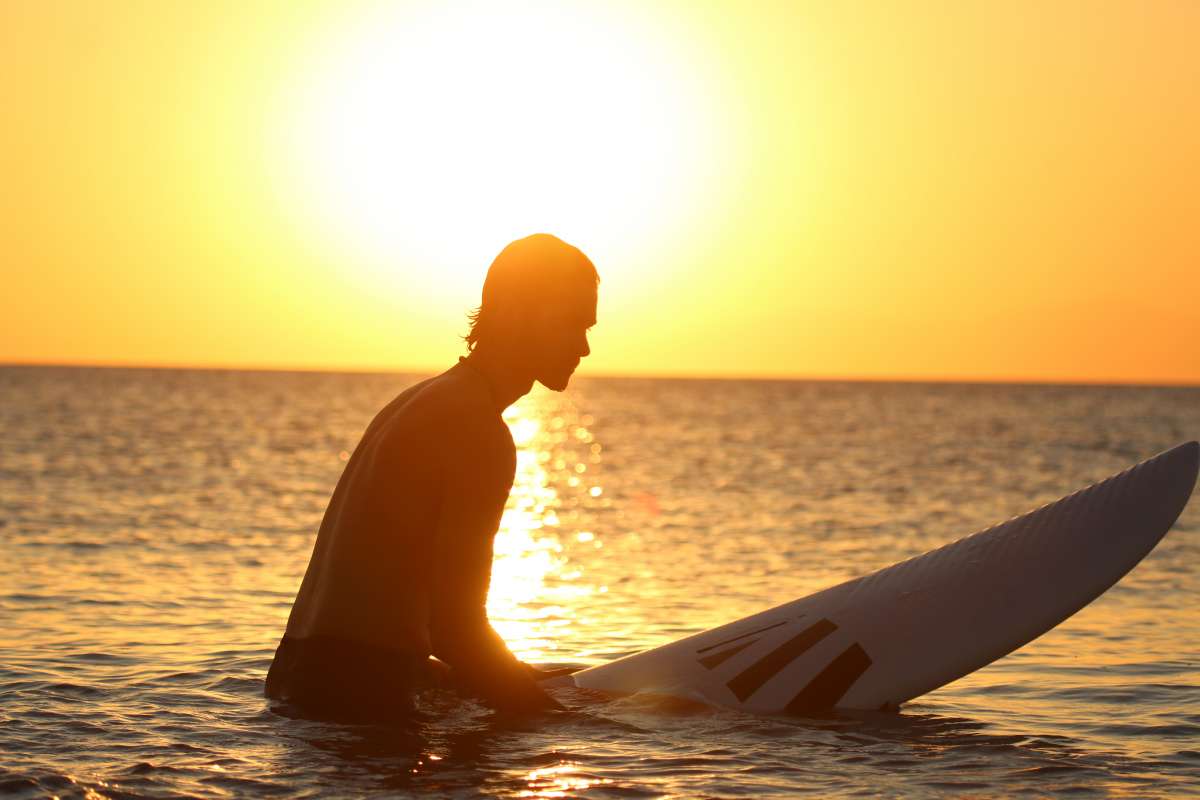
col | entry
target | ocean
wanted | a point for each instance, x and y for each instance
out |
(155, 524)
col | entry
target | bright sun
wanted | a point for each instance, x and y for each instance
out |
(427, 137)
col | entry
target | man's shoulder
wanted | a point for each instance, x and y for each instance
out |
(467, 436)
(453, 413)
(454, 400)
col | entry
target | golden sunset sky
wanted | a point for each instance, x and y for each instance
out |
(976, 191)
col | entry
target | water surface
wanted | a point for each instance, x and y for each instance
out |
(156, 523)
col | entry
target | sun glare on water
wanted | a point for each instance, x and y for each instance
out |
(424, 137)
(534, 588)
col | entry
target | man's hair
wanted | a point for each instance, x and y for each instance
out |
(527, 274)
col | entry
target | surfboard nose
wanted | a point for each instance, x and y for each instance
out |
(1191, 452)
(1186, 453)
(1179, 466)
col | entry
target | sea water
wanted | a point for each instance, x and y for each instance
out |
(156, 523)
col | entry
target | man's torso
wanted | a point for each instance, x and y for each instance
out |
(368, 579)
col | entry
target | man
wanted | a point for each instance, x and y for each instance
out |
(402, 562)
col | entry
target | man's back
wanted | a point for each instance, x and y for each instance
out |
(369, 576)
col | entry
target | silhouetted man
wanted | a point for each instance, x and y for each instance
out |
(402, 562)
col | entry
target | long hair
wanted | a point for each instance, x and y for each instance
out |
(527, 274)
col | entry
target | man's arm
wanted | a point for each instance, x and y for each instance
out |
(475, 487)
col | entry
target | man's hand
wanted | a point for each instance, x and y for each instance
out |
(526, 697)
(512, 687)
(513, 690)
(546, 674)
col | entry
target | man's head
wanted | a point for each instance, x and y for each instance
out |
(539, 299)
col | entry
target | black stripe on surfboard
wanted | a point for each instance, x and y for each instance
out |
(716, 659)
(824, 690)
(742, 636)
(751, 679)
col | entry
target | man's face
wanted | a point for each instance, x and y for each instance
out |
(560, 339)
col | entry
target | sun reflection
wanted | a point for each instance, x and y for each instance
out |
(535, 588)
(557, 781)
(523, 428)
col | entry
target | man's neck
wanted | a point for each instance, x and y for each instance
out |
(506, 385)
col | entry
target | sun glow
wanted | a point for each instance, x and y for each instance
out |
(427, 137)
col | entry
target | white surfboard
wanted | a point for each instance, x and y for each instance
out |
(880, 640)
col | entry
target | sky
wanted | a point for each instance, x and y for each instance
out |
(883, 190)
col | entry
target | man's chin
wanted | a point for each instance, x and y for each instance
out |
(557, 381)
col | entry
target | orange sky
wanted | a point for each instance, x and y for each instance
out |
(928, 190)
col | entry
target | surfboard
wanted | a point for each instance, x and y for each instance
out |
(885, 638)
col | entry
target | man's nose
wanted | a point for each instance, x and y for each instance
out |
(585, 350)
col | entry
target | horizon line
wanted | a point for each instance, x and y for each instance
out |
(764, 377)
